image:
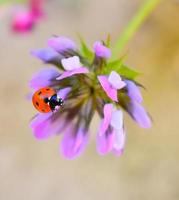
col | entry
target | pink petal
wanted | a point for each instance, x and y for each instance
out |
(105, 143)
(36, 7)
(119, 142)
(71, 63)
(110, 91)
(116, 81)
(107, 110)
(117, 119)
(73, 143)
(46, 125)
(39, 124)
(22, 21)
(66, 74)
(101, 50)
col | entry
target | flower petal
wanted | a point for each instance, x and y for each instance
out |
(139, 114)
(117, 119)
(23, 21)
(36, 7)
(61, 44)
(64, 92)
(43, 78)
(107, 110)
(46, 55)
(133, 91)
(110, 91)
(105, 142)
(66, 74)
(119, 141)
(116, 81)
(73, 143)
(71, 63)
(101, 50)
(46, 125)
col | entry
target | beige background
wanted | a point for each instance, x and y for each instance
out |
(149, 169)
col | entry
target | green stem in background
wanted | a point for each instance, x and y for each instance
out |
(11, 1)
(134, 25)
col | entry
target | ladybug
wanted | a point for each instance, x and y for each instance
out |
(46, 100)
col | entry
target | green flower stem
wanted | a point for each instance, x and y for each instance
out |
(11, 1)
(145, 10)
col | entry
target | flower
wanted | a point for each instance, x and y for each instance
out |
(133, 91)
(135, 108)
(36, 8)
(86, 86)
(61, 44)
(47, 55)
(25, 20)
(111, 84)
(22, 21)
(111, 136)
(101, 50)
(72, 66)
(43, 78)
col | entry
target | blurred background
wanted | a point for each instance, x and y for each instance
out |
(149, 168)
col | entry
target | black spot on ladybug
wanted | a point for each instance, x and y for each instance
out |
(43, 110)
(40, 93)
(47, 89)
(37, 103)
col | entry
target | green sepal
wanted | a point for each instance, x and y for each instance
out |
(128, 72)
(85, 50)
(122, 69)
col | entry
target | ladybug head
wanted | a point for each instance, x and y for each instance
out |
(54, 102)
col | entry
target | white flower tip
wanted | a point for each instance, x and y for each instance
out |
(117, 119)
(71, 63)
(116, 81)
(120, 138)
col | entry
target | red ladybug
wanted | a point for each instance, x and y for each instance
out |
(46, 100)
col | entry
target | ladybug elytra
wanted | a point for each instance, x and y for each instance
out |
(46, 100)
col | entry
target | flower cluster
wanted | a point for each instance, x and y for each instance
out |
(88, 81)
(24, 20)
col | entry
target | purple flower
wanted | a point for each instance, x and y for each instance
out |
(133, 91)
(46, 125)
(61, 44)
(46, 55)
(111, 84)
(72, 66)
(49, 124)
(111, 136)
(73, 142)
(139, 114)
(135, 108)
(43, 78)
(84, 87)
(101, 51)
